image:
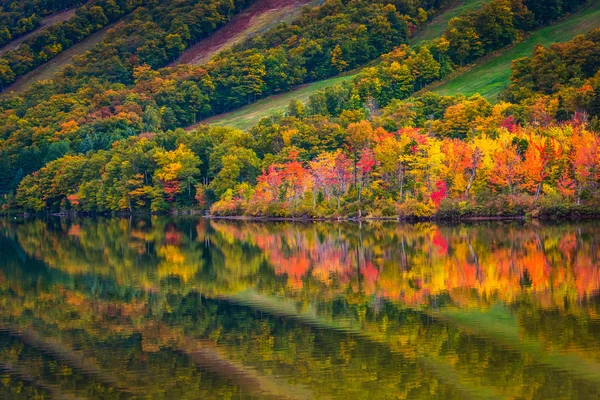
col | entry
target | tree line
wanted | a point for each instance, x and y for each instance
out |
(108, 95)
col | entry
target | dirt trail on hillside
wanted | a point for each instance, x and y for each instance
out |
(255, 19)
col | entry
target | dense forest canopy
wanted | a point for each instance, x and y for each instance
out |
(103, 136)
(156, 33)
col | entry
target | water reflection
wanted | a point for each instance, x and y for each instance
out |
(187, 308)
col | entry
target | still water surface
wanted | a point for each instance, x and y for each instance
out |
(168, 308)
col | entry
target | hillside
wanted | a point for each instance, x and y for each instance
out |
(248, 116)
(49, 69)
(51, 41)
(491, 76)
(260, 16)
(106, 134)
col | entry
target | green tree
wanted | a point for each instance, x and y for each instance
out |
(425, 68)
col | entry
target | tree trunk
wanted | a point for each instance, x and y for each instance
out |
(537, 192)
(471, 179)
(401, 187)
(355, 171)
(359, 189)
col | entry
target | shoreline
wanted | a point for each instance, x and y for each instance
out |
(364, 219)
(307, 219)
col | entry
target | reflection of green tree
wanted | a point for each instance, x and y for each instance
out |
(474, 356)
(47, 373)
(72, 316)
(451, 354)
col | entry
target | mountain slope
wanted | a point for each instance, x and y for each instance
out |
(248, 116)
(491, 76)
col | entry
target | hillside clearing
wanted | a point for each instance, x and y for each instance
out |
(492, 75)
(248, 116)
(438, 24)
(46, 22)
(257, 18)
(48, 70)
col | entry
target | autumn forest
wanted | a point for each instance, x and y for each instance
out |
(121, 128)
(300, 199)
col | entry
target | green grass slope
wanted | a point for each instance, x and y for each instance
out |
(491, 76)
(246, 117)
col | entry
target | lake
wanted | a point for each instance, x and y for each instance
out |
(185, 308)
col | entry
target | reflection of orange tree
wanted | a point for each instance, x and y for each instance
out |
(406, 263)
(296, 250)
(411, 263)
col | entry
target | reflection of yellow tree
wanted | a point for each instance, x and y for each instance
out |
(407, 263)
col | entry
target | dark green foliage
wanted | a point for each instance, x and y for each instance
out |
(60, 36)
(20, 17)
(154, 36)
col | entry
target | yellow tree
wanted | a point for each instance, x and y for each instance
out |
(359, 136)
(177, 170)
